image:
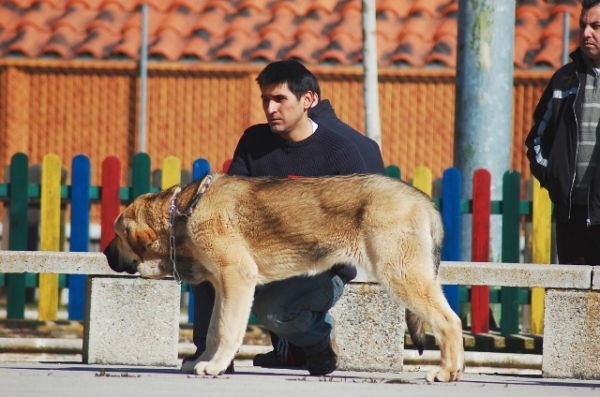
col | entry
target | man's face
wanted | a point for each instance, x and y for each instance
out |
(284, 112)
(589, 33)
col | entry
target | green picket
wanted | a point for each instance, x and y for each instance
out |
(17, 240)
(140, 183)
(511, 224)
(393, 171)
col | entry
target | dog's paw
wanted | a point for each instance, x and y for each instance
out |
(209, 368)
(443, 375)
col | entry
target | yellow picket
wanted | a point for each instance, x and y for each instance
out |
(423, 179)
(171, 172)
(49, 234)
(541, 250)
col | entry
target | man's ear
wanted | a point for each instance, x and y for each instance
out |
(310, 100)
(315, 100)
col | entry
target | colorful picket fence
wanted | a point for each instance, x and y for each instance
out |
(80, 194)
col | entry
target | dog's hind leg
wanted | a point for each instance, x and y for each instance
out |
(234, 292)
(446, 326)
(412, 281)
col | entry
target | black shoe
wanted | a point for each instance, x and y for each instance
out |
(324, 362)
(286, 355)
(188, 363)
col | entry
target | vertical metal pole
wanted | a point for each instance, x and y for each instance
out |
(483, 114)
(143, 78)
(566, 38)
(371, 88)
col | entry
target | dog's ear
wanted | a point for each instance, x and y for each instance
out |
(189, 196)
(140, 239)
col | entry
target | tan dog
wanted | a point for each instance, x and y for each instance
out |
(249, 231)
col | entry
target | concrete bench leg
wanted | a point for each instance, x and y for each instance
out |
(131, 321)
(370, 329)
(571, 334)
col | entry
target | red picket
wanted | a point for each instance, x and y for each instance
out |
(110, 198)
(226, 165)
(480, 248)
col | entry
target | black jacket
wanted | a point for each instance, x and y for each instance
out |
(552, 141)
(324, 115)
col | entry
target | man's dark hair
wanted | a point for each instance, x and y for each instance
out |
(297, 77)
(587, 4)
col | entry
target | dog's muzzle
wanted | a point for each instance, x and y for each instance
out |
(116, 261)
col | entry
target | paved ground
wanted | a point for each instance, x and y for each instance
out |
(54, 379)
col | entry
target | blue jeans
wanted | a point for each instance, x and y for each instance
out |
(295, 309)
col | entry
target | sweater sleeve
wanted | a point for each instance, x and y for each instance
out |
(238, 162)
(541, 136)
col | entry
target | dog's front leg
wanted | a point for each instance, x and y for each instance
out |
(233, 301)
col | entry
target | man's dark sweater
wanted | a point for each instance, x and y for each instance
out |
(324, 115)
(261, 152)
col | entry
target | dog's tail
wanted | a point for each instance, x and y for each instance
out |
(416, 329)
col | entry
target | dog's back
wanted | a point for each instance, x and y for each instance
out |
(307, 225)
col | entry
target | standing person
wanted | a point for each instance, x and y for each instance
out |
(563, 145)
(290, 145)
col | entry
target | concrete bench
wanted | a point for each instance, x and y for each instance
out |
(372, 333)
(128, 320)
(134, 321)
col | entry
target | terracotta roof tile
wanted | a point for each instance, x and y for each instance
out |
(77, 17)
(314, 22)
(283, 18)
(326, 5)
(30, 41)
(169, 44)
(159, 5)
(129, 46)
(350, 19)
(411, 51)
(182, 21)
(306, 48)
(9, 17)
(110, 18)
(343, 49)
(413, 33)
(125, 5)
(212, 21)
(42, 16)
(98, 43)
(272, 46)
(63, 42)
(90, 4)
(298, 7)
(552, 46)
(236, 45)
(430, 7)
(6, 39)
(193, 6)
(399, 8)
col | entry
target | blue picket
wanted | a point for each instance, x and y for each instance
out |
(199, 169)
(451, 216)
(80, 226)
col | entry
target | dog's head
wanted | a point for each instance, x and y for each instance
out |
(135, 245)
(141, 243)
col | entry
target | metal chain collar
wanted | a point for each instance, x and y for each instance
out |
(173, 212)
